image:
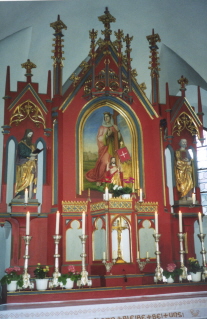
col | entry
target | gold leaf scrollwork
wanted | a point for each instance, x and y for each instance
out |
(27, 109)
(185, 121)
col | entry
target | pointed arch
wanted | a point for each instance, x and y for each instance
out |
(136, 137)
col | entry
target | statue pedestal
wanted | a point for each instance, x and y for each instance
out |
(18, 205)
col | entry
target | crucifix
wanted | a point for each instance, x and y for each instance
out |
(119, 228)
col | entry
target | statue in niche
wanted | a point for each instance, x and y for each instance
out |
(184, 171)
(26, 166)
(109, 139)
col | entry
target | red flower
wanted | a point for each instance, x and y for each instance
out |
(171, 267)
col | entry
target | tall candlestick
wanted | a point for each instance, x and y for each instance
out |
(140, 195)
(57, 223)
(200, 223)
(106, 193)
(194, 198)
(180, 222)
(27, 223)
(26, 196)
(156, 223)
(83, 223)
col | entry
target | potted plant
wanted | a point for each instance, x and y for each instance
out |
(171, 272)
(67, 280)
(12, 278)
(195, 269)
(117, 190)
(40, 274)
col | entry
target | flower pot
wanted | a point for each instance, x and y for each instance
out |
(170, 280)
(41, 284)
(196, 277)
(69, 284)
(12, 286)
(126, 196)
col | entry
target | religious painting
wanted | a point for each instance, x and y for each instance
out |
(105, 133)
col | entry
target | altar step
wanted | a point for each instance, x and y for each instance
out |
(29, 296)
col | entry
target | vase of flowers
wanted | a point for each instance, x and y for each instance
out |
(118, 190)
(171, 272)
(40, 277)
(195, 269)
(67, 280)
(12, 278)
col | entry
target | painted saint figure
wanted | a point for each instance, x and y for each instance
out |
(113, 172)
(184, 170)
(26, 166)
(107, 136)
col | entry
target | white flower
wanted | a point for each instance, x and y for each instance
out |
(115, 187)
(120, 187)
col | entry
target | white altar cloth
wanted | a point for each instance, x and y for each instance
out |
(179, 305)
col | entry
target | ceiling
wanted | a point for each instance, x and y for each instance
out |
(25, 33)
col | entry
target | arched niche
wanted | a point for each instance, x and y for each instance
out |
(72, 240)
(134, 129)
(146, 239)
(99, 239)
(6, 240)
(124, 236)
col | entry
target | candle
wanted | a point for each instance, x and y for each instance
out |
(200, 223)
(156, 223)
(138, 254)
(89, 192)
(180, 222)
(57, 223)
(106, 193)
(147, 254)
(194, 198)
(26, 196)
(83, 223)
(140, 195)
(133, 188)
(27, 223)
(104, 255)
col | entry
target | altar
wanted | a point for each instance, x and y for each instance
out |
(98, 178)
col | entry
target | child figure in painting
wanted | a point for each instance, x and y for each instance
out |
(113, 173)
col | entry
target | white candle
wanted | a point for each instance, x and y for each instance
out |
(140, 195)
(147, 255)
(83, 223)
(106, 193)
(200, 223)
(27, 223)
(138, 254)
(194, 198)
(57, 227)
(180, 222)
(104, 255)
(26, 196)
(156, 223)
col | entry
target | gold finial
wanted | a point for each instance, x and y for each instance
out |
(28, 66)
(58, 25)
(107, 18)
(183, 82)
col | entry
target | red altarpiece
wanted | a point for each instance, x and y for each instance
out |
(67, 123)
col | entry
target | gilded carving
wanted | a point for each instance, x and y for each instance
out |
(146, 207)
(185, 121)
(119, 203)
(97, 206)
(27, 109)
(73, 206)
